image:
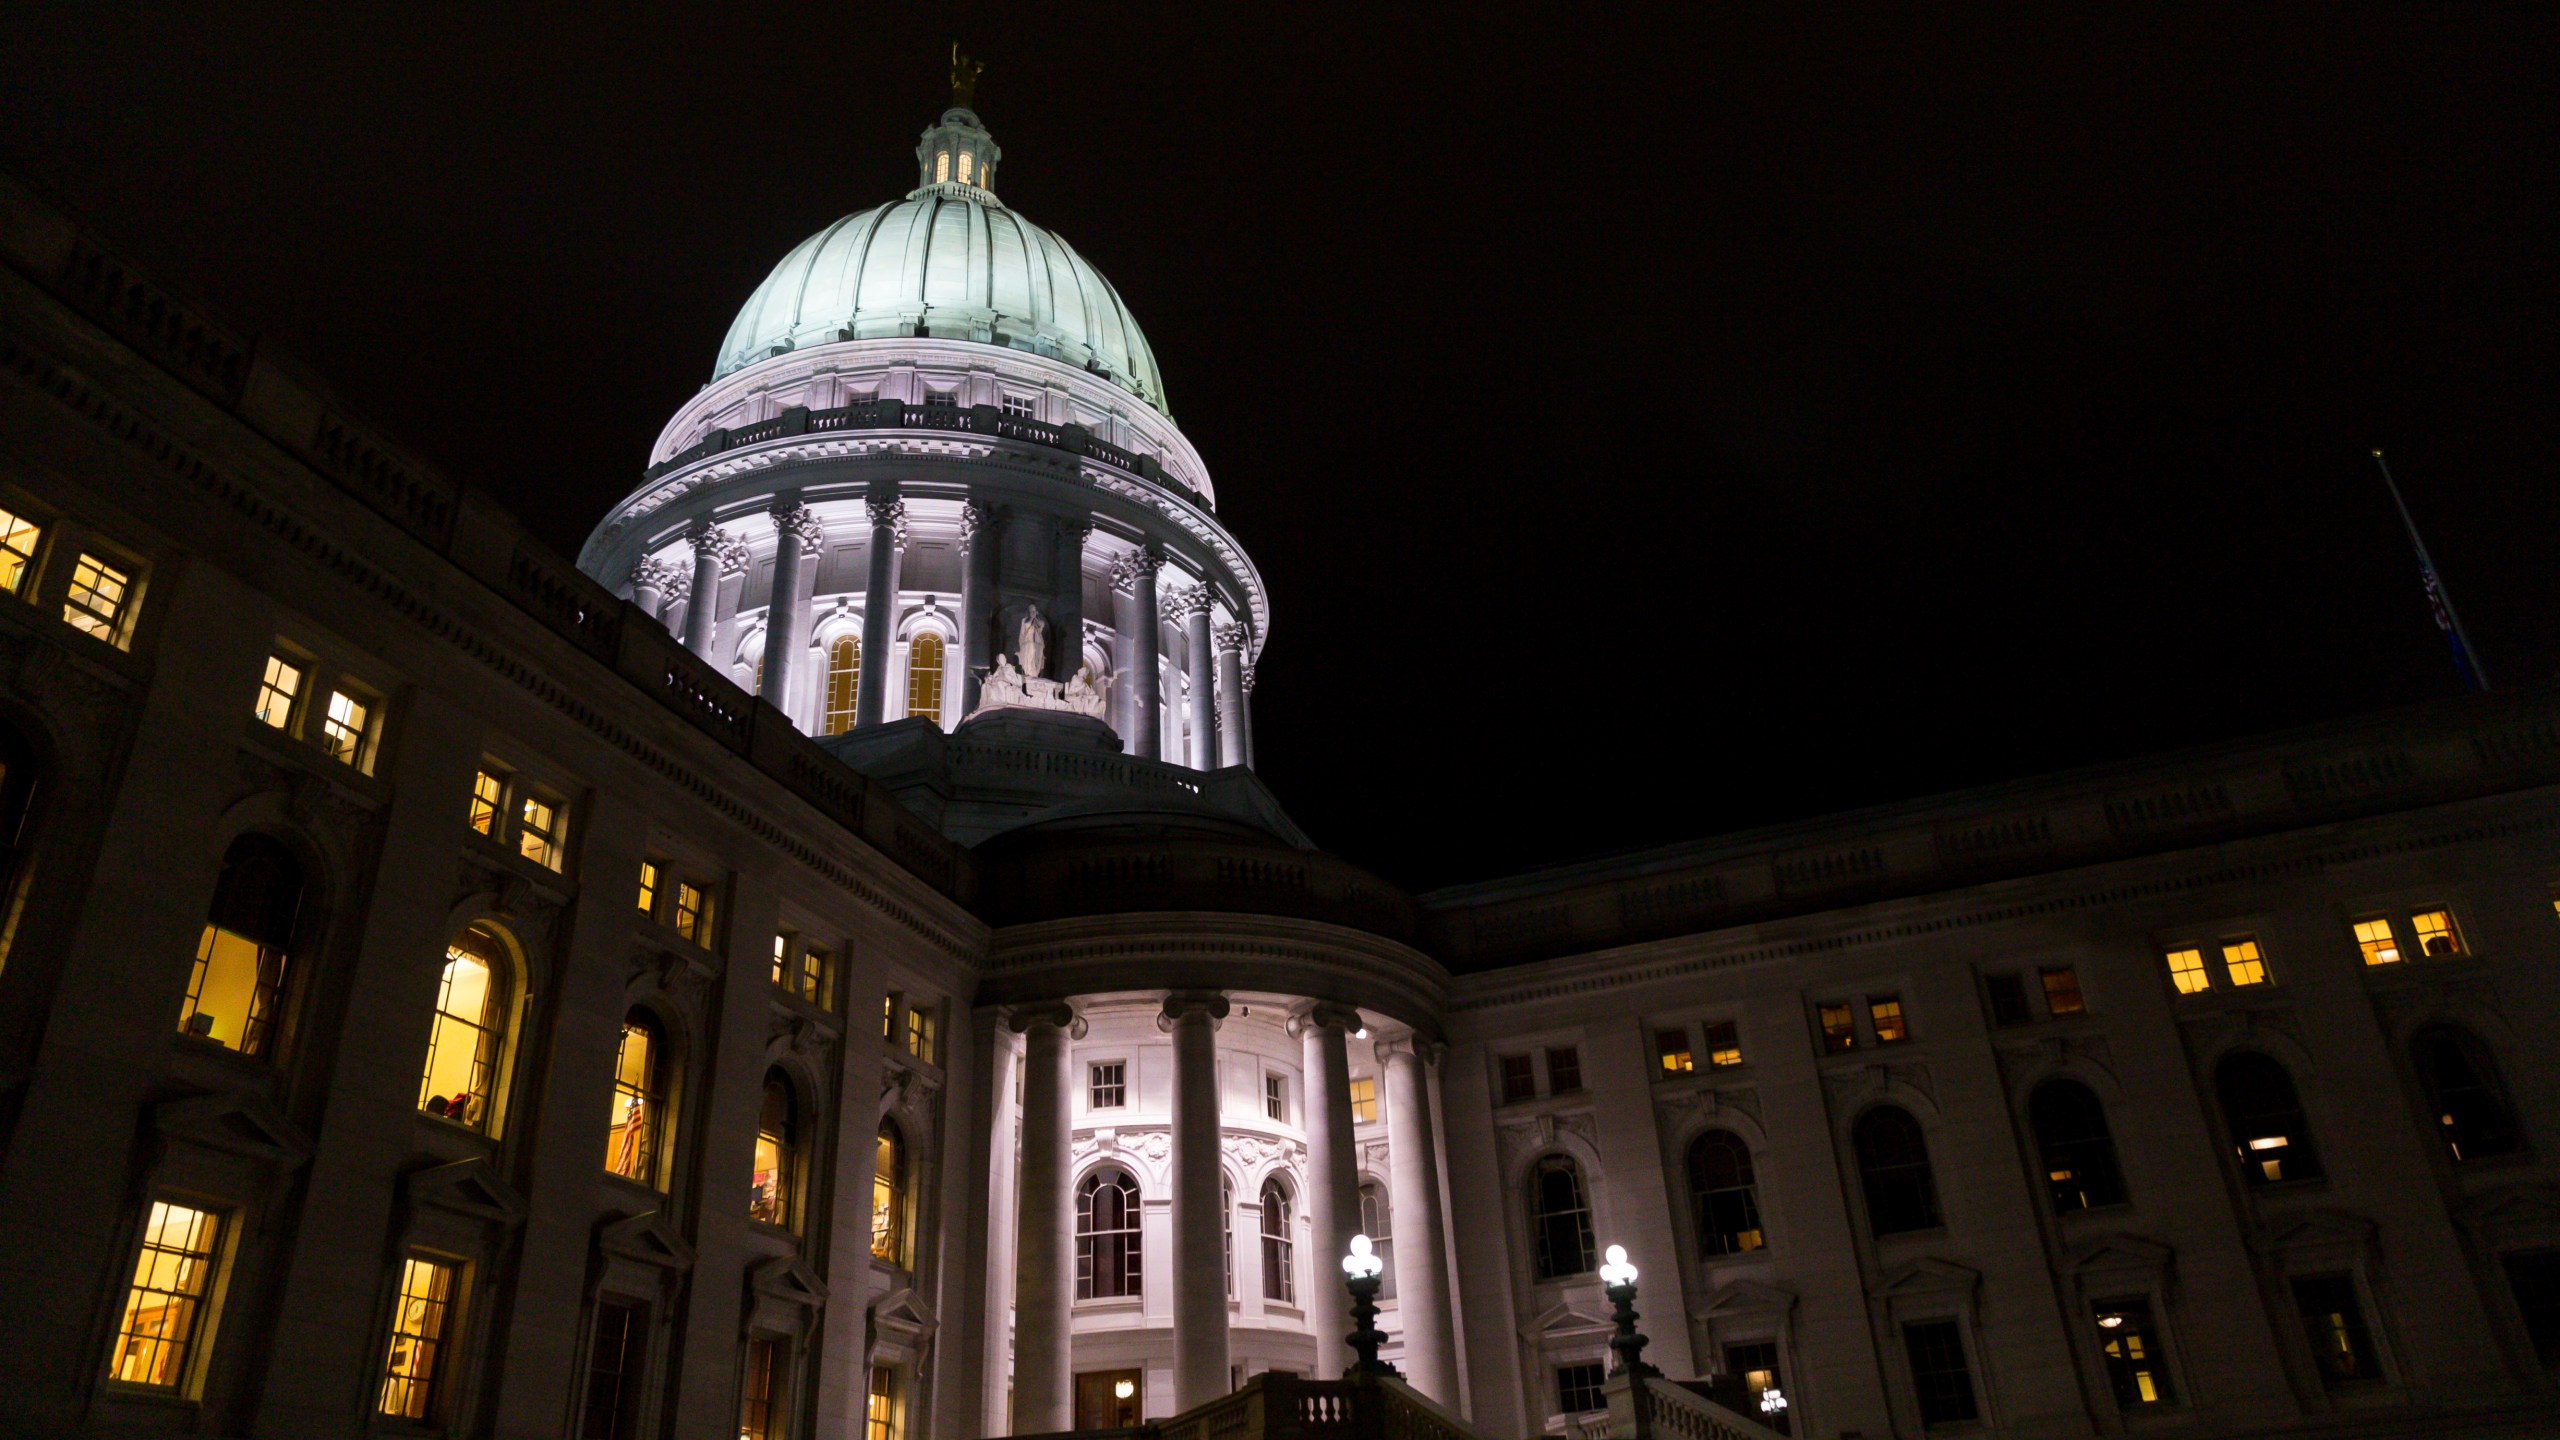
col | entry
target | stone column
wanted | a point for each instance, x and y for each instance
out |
(786, 614)
(701, 614)
(1044, 1285)
(1138, 570)
(1231, 641)
(1199, 1239)
(1333, 1175)
(1244, 726)
(649, 585)
(1422, 1270)
(1194, 609)
(977, 593)
(879, 599)
(1066, 613)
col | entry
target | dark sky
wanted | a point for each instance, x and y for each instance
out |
(1648, 425)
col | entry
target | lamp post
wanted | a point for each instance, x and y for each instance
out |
(1360, 1271)
(1618, 1282)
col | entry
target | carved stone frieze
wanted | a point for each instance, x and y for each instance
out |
(1851, 1084)
(1522, 1138)
(1677, 1106)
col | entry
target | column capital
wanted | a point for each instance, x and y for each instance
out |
(678, 586)
(888, 513)
(1233, 636)
(1389, 1047)
(1058, 1014)
(790, 517)
(1184, 604)
(703, 536)
(975, 515)
(733, 554)
(1076, 528)
(1129, 569)
(1248, 679)
(1183, 1004)
(651, 573)
(1309, 1016)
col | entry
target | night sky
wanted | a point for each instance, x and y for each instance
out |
(1648, 425)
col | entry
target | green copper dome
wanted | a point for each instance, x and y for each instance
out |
(949, 261)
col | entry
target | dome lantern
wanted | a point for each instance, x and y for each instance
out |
(957, 157)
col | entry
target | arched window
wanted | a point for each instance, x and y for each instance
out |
(1108, 1250)
(924, 672)
(1722, 1194)
(468, 1040)
(639, 1100)
(889, 1196)
(965, 158)
(2071, 1138)
(941, 166)
(1279, 1252)
(777, 1162)
(1559, 1219)
(2463, 1093)
(238, 980)
(1893, 1170)
(2265, 1116)
(1227, 1231)
(1377, 1221)
(844, 681)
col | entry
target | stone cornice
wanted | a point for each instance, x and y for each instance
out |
(1177, 950)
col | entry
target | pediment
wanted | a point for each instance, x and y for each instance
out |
(2120, 1255)
(2323, 1226)
(646, 1238)
(789, 1279)
(236, 1124)
(471, 1188)
(1930, 1276)
(1747, 1297)
(1564, 1320)
(904, 1306)
(2515, 1214)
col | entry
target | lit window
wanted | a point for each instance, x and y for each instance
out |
(2186, 970)
(1364, 1101)
(924, 676)
(2374, 938)
(1564, 1070)
(756, 1391)
(1839, 1032)
(965, 158)
(488, 793)
(238, 980)
(1275, 1097)
(1671, 1051)
(648, 887)
(844, 682)
(776, 1155)
(1580, 1389)
(2132, 1349)
(163, 1320)
(1886, 1013)
(693, 912)
(346, 729)
(941, 166)
(817, 974)
(782, 959)
(920, 1034)
(889, 1016)
(538, 831)
(889, 1197)
(881, 1415)
(2242, 962)
(2062, 990)
(2437, 938)
(277, 690)
(1107, 1086)
(1279, 1251)
(463, 1042)
(1519, 1079)
(631, 1147)
(18, 537)
(100, 600)
(1724, 1044)
(417, 1338)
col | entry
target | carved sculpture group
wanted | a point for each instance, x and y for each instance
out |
(1021, 686)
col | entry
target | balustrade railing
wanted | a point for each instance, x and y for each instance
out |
(1675, 1412)
(1286, 1407)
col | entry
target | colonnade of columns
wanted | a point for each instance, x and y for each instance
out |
(1045, 1254)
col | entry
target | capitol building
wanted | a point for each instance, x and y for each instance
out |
(822, 965)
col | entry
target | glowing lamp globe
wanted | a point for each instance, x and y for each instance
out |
(1362, 1263)
(1616, 1271)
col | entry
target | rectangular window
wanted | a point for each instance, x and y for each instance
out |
(649, 887)
(1364, 1100)
(889, 1016)
(1671, 1051)
(1019, 405)
(277, 690)
(2437, 939)
(1885, 1013)
(233, 989)
(1756, 1366)
(613, 1373)
(1580, 1388)
(164, 1308)
(782, 960)
(417, 1338)
(2333, 1320)
(100, 601)
(2131, 1344)
(2374, 938)
(1724, 1044)
(1519, 1079)
(1839, 1032)
(2061, 990)
(1564, 1070)
(941, 399)
(18, 537)
(880, 1415)
(693, 912)
(2242, 963)
(1107, 1086)
(1275, 1096)
(2008, 998)
(1939, 1373)
(539, 823)
(759, 1389)
(817, 976)
(2186, 970)
(920, 1034)
(346, 730)
(2534, 1277)
(488, 801)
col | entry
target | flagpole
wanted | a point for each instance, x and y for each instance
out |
(2448, 619)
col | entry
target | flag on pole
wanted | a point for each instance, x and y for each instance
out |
(2439, 603)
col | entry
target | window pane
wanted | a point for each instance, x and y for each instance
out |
(18, 536)
(817, 975)
(2265, 1116)
(2061, 990)
(2373, 937)
(345, 727)
(2242, 962)
(631, 1144)
(1580, 1388)
(171, 1274)
(1893, 1171)
(844, 679)
(2008, 999)
(1724, 1200)
(2535, 1279)
(1564, 1070)
(462, 1042)
(613, 1366)
(237, 983)
(881, 1415)
(98, 599)
(276, 691)
(1885, 1011)
(759, 1390)
(776, 1160)
(924, 669)
(1839, 1032)
(2463, 1092)
(888, 1197)
(2333, 1321)
(417, 1338)
(648, 887)
(1939, 1372)
(2186, 971)
(1671, 1048)
(2131, 1345)
(1364, 1100)
(1724, 1043)
(1561, 1219)
(1519, 1079)
(487, 793)
(2436, 936)
(2072, 1140)
(538, 836)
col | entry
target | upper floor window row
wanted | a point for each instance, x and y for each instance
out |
(802, 969)
(682, 903)
(1518, 1074)
(2392, 938)
(1674, 1052)
(1850, 1024)
(519, 814)
(51, 563)
(2233, 963)
(299, 698)
(2015, 995)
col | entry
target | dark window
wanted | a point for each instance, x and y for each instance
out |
(2079, 1155)
(1279, 1252)
(1564, 1070)
(1722, 1195)
(2062, 990)
(2463, 1093)
(1579, 1388)
(613, 1373)
(1560, 1219)
(1939, 1374)
(1108, 1087)
(1724, 1044)
(2265, 1116)
(2008, 999)
(761, 1392)
(1109, 1253)
(1376, 1222)
(1519, 1079)
(1893, 1169)
(2535, 1278)
(2333, 1319)
(1755, 1367)
(2130, 1342)
(1839, 1032)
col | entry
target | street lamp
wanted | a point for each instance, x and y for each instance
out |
(1618, 1279)
(1361, 1270)
(1123, 1389)
(1773, 1402)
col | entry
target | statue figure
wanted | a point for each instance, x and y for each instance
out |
(1032, 643)
(964, 78)
(1088, 693)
